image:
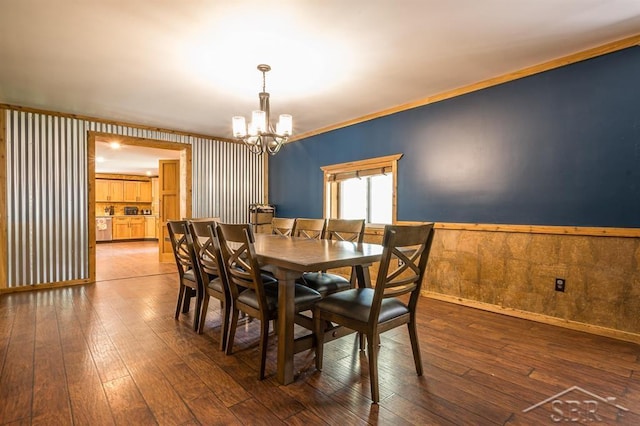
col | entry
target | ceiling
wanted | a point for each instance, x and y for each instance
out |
(191, 65)
(130, 159)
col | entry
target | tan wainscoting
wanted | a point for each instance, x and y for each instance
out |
(512, 269)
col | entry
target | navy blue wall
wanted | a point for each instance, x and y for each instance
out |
(557, 148)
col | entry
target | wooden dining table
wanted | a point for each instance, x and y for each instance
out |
(287, 258)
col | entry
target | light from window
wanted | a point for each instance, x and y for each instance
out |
(381, 198)
(353, 199)
(362, 189)
(369, 198)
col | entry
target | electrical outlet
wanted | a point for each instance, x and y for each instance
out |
(560, 283)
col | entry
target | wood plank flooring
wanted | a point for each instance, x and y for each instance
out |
(111, 353)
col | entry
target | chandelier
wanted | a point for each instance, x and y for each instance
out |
(260, 135)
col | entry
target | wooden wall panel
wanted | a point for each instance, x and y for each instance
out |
(515, 273)
(3, 199)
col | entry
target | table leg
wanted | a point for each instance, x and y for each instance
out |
(286, 318)
(362, 276)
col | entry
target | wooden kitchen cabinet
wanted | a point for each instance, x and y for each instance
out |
(128, 228)
(150, 227)
(120, 228)
(109, 190)
(137, 191)
(137, 227)
(144, 192)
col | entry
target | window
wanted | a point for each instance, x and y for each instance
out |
(362, 189)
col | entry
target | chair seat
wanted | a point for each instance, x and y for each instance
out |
(268, 279)
(356, 303)
(190, 275)
(215, 284)
(304, 297)
(324, 283)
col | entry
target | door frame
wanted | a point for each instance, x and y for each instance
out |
(185, 180)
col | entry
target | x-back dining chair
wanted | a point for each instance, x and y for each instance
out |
(309, 228)
(282, 226)
(249, 293)
(215, 282)
(341, 230)
(372, 311)
(190, 279)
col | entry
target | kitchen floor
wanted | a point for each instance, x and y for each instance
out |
(129, 260)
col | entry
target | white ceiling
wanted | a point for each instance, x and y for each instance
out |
(191, 65)
(130, 159)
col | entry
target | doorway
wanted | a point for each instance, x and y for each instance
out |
(112, 254)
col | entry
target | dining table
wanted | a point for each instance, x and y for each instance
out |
(287, 258)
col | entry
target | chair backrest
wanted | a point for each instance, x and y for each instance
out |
(182, 245)
(403, 264)
(309, 228)
(345, 230)
(239, 259)
(282, 226)
(207, 253)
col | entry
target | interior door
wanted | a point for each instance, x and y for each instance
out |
(169, 197)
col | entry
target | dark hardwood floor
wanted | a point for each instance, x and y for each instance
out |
(111, 353)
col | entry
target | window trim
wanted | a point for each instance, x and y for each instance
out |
(334, 170)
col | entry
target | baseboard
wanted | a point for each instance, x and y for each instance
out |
(545, 319)
(45, 286)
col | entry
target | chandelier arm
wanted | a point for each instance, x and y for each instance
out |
(254, 148)
(267, 140)
(275, 149)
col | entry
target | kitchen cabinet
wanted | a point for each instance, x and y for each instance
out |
(150, 227)
(128, 228)
(137, 191)
(109, 190)
(144, 192)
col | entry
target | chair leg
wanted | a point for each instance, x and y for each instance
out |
(187, 299)
(361, 339)
(372, 348)
(196, 314)
(232, 331)
(225, 309)
(203, 314)
(264, 339)
(318, 331)
(181, 292)
(415, 346)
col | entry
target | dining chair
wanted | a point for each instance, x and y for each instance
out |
(282, 226)
(215, 282)
(341, 230)
(190, 279)
(372, 311)
(249, 293)
(308, 228)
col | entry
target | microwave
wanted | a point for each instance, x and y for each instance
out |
(130, 210)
